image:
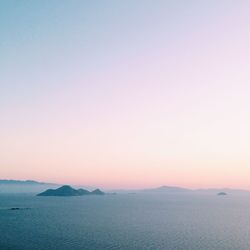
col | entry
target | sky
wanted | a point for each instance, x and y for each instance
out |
(125, 94)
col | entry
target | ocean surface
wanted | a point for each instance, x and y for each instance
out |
(125, 221)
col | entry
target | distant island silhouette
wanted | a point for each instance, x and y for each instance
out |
(10, 186)
(222, 193)
(23, 182)
(163, 189)
(67, 190)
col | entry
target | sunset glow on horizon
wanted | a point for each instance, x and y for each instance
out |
(126, 94)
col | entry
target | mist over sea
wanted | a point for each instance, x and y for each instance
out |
(125, 221)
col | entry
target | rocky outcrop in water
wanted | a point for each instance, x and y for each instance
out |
(69, 191)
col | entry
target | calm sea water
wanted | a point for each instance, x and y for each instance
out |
(141, 221)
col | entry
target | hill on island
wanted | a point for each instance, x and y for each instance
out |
(67, 190)
(164, 189)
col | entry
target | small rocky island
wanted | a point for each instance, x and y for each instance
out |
(19, 208)
(222, 193)
(69, 191)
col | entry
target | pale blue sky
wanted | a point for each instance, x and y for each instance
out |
(125, 87)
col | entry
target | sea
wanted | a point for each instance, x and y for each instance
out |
(125, 221)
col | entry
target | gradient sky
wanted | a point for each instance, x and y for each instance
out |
(131, 93)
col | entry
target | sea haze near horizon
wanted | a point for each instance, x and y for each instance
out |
(125, 221)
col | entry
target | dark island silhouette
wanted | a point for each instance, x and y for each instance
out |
(18, 208)
(222, 193)
(67, 190)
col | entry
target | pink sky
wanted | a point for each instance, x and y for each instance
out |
(126, 94)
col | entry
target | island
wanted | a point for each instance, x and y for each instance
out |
(67, 190)
(222, 193)
(19, 208)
